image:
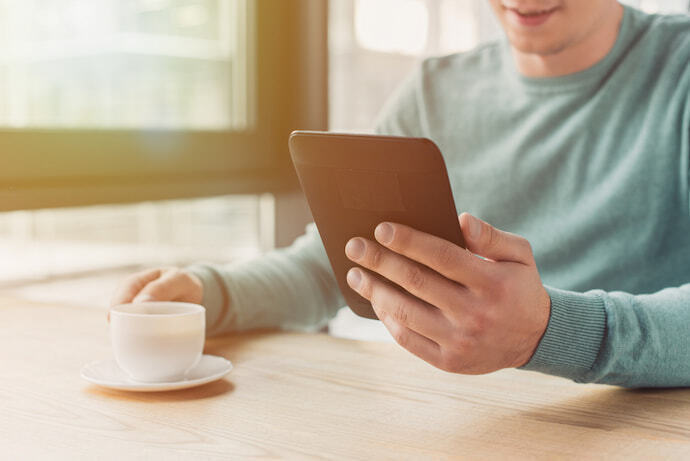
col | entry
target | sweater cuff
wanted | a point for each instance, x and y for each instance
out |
(216, 298)
(573, 337)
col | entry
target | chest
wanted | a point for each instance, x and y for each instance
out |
(520, 164)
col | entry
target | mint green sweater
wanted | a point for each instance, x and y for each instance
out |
(592, 168)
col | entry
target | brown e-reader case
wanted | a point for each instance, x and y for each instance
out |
(354, 182)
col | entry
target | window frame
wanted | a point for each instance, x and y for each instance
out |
(287, 58)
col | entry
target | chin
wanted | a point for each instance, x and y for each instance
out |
(537, 46)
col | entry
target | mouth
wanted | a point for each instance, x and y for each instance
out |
(530, 17)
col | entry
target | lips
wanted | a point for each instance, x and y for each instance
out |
(531, 12)
(530, 17)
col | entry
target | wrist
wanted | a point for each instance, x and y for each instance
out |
(198, 290)
(573, 337)
(541, 322)
(214, 295)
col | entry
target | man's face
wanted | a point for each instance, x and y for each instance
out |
(547, 27)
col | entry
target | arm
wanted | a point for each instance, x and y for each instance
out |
(290, 288)
(618, 338)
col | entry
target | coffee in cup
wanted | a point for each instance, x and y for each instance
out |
(157, 341)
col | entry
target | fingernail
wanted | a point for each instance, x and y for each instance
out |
(384, 233)
(354, 248)
(475, 228)
(143, 298)
(354, 278)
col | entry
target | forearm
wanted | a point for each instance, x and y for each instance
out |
(618, 338)
(288, 288)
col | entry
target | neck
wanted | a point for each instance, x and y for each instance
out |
(578, 56)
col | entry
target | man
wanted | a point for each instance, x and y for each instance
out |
(575, 136)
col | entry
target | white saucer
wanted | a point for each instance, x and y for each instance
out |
(108, 374)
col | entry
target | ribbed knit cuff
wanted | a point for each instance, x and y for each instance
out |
(216, 300)
(573, 337)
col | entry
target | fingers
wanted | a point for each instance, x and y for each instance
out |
(399, 326)
(415, 278)
(161, 284)
(485, 240)
(133, 284)
(415, 343)
(172, 285)
(399, 306)
(444, 257)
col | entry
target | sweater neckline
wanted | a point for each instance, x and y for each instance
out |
(578, 80)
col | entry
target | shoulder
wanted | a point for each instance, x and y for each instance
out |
(663, 36)
(481, 60)
(433, 81)
(664, 50)
(673, 26)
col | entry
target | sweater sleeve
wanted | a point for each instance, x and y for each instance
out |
(618, 338)
(291, 288)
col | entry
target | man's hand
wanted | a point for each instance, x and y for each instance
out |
(162, 284)
(460, 313)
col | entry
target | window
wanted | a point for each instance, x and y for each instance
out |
(124, 64)
(116, 114)
(127, 100)
(41, 245)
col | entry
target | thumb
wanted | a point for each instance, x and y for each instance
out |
(485, 240)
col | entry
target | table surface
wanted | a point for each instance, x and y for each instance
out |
(310, 396)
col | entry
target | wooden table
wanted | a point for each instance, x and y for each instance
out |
(310, 396)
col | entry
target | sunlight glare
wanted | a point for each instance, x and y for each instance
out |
(649, 6)
(392, 26)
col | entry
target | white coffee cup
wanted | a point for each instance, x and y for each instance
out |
(157, 341)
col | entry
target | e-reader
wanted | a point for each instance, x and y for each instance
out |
(354, 182)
